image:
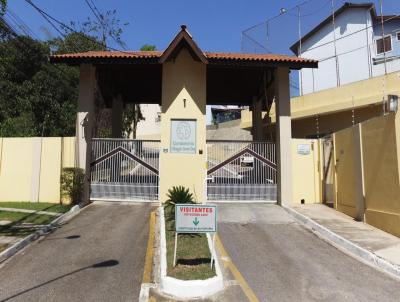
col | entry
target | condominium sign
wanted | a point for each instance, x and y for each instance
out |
(183, 136)
(195, 218)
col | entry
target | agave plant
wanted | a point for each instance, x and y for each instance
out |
(177, 195)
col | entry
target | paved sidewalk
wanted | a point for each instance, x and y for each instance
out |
(364, 235)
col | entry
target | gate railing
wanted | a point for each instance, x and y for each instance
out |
(124, 169)
(241, 170)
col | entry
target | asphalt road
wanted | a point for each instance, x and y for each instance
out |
(97, 256)
(282, 261)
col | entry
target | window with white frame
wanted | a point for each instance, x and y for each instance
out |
(384, 44)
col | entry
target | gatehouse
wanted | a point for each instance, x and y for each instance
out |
(183, 79)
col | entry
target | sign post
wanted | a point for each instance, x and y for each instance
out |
(193, 218)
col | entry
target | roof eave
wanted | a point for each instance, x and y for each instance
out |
(263, 64)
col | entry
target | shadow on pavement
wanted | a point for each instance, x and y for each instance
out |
(103, 264)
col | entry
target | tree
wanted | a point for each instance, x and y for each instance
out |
(75, 42)
(105, 27)
(3, 6)
(148, 47)
(39, 98)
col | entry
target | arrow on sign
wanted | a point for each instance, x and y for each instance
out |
(196, 221)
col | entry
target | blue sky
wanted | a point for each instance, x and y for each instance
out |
(215, 24)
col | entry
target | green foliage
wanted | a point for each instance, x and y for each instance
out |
(75, 42)
(72, 181)
(3, 6)
(179, 194)
(148, 47)
(38, 98)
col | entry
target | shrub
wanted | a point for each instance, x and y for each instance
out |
(72, 181)
(177, 195)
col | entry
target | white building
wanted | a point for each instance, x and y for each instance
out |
(149, 128)
(349, 48)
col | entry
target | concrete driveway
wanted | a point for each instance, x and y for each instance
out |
(282, 261)
(98, 256)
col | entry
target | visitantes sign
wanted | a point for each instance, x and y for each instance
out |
(195, 218)
(183, 136)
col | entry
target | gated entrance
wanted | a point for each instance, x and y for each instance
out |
(124, 169)
(241, 170)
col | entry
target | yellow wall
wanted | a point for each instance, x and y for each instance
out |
(19, 157)
(68, 152)
(183, 78)
(16, 169)
(334, 122)
(306, 177)
(345, 199)
(381, 145)
(50, 170)
(334, 106)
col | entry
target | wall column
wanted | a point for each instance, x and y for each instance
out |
(85, 121)
(359, 173)
(183, 156)
(283, 136)
(116, 116)
(256, 110)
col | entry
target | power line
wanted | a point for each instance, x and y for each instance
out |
(46, 17)
(99, 16)
(22, 24)
(64, 26)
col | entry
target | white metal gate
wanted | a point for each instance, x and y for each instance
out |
(123, 169)
(241, 170)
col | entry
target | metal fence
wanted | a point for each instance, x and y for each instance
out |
(241, 170)
(124, 169)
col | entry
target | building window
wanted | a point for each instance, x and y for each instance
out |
(384, 44)
(398, 36)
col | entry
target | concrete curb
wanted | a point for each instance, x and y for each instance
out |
(345, 245)
(12, 250)
(185, 289)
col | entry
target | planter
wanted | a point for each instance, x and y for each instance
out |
(186, 288)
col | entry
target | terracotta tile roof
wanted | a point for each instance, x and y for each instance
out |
(212, 56)
(256, 57)
(109, 54)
